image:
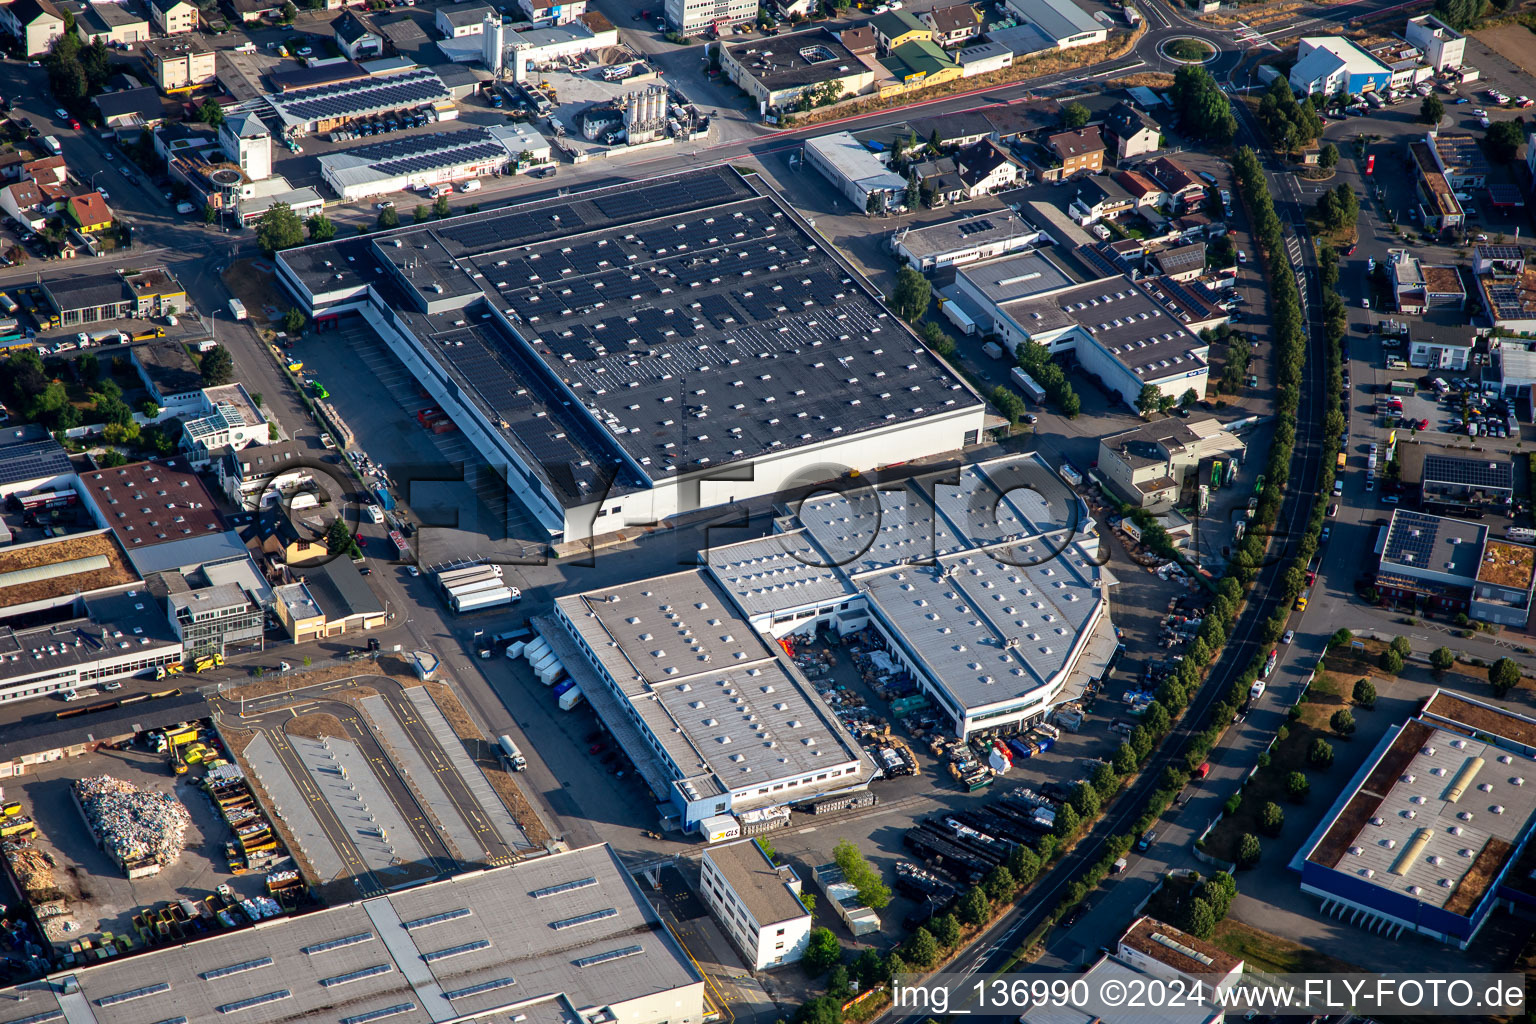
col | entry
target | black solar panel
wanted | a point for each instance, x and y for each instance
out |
(970, 227)
(32, 460)
(1471, 472)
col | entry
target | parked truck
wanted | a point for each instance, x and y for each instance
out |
(571, 698)
(1027, 384)
(510, 755)
(237, 309)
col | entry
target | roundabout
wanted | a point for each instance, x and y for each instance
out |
(1187, 50)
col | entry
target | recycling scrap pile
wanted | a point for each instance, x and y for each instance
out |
(33, 873)
(135, 828)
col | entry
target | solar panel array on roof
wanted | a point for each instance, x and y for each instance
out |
(970, 227)
(32, 460)
(1471, 472)
(340, 100)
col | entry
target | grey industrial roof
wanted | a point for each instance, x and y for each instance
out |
(87, 290)
(144, 101)
(32, 460)
(1012, 593)
(778, 572)
(42, 731)
(1432, 544)
(964, 233)
(1127, 322)
(465, 14)
(1493, 474)
(359, 97)
(696, 319)
(566, 930)
(413, 154)
(761, 888)
(1059, 19)
(713, 694)
(1016, 277)
(341, 590)
(782, 62)
(194, 602)
(1441, 798)
(186, 552)
(114, 625)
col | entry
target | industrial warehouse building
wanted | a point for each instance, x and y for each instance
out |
(988, 596)
(563, 937)
(713, 715)
(1430, 563)
(112, 636)
(421, 161)
(757, 904)
(1425, 835)
(625, 354)
(323, 108)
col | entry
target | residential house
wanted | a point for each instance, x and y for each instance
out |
(1100, 197)
(356, 36)
(25, 204)
(1181, 262)
(896, 28)
(248, 12)
(34, 23)
(1131, 132)
(1074, 152)
(953, 26)
(986, 168)
(131, 108)
(860, 39)
(1181, 184)
(173, 17)
(921, 61)
(274, 535)
(952, 131)
(179, 64)
(89, 212)
(262, 473)
(113, 24)
(939, 183)
(1143, 189)
(49, 170)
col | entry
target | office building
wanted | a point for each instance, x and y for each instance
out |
(113, 636)
(1442, 45)
(210, 620)
(1330, 64)
(757, 904)
(779, 70)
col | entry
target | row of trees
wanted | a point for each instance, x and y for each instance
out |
(1290, 125)
(280, 227)
(1203, 110)
(1036, 361)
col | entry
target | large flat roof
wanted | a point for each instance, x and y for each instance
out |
(778, 571)
(359, 97)
(148, 503)
(1426, 543)
(40, 459)
(797, 59)
(723, 704)
(118, 624)
(1059, 19)
(1438, 810)
(557, 933)
(671, 324)
(1020, 276)
(419, 154)
(51, 569)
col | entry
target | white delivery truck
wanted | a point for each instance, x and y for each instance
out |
(237, 309)
(510, 755)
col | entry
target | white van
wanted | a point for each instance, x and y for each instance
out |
(472, 185)
(375, 514)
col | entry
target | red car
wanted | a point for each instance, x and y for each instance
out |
(597, 748)
(74, 123)
(1351, 250)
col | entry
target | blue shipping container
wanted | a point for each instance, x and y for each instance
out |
(386, 500)
(564, 685)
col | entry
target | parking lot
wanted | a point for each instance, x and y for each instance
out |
(100, 900)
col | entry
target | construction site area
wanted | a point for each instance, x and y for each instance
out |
(153, 840)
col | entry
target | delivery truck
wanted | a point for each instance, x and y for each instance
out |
(510, 755)
(237, 309)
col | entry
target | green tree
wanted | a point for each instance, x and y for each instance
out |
(294, 320)
(440, 208)
(288, 12)
(1342, 722)
(421, 214)
(1146, 402)
(1199, 919)
(218, 367)
(1067, 822)
(911, 295)
(1008, 403)
(339, 540)
(1271, 818)
(1125, 759)
(838, 980)
(1156, 719)
(1503, 676)
(149, 408)
(1503, 140)
(1074, 115)
(279, 228)
(1023, 863)
(808, 898)
(89, 368)
(922, 949)
(1364, 693)
(870, 968)
(1391, 662)
(1441, 659)
(389, 217)
(321, 228)
(821, 952)
(1328, 157)
(1188, 398)
(1297, 787)
(211, 113)
(874, 203)
(820, 1010)
(1202, 109)
(1431, 110)
(1320, 753)
(1460, 14)
(914, 191)
(947, 930)
(1249, 850)
(1000, 885)
(1401, 645)
(873, 892)
(210, 214)
(974, 907)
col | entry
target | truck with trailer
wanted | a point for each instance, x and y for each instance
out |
(570, 698)
(1027, 384)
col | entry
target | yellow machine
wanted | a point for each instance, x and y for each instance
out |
(161, 671)
(207, 662)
